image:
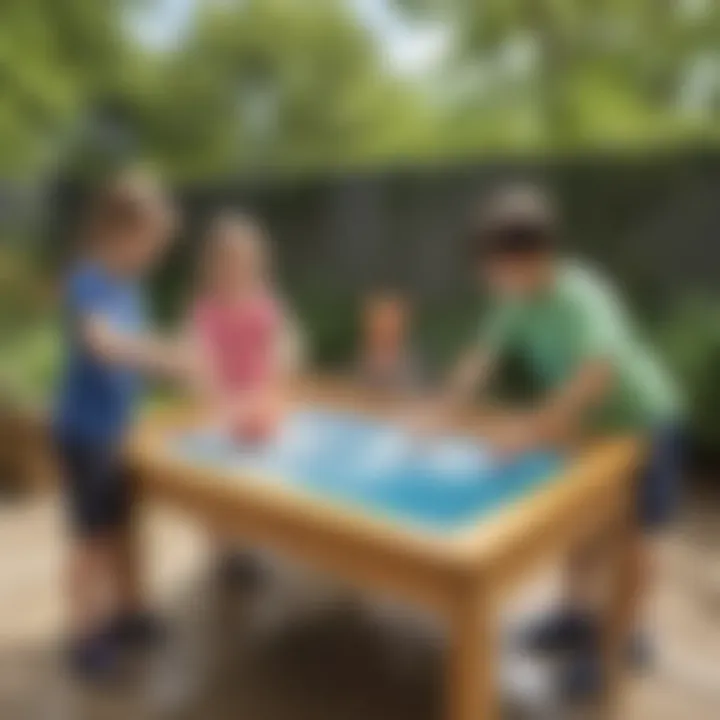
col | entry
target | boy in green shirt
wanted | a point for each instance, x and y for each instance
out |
(572, 329)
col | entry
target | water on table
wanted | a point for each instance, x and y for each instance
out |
(442, 483)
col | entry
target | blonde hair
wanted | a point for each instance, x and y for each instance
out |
(232, 229)
(235, 224)
(126, 203)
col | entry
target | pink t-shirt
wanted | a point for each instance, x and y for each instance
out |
(238, 340)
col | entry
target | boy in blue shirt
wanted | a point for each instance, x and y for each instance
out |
(127, 231)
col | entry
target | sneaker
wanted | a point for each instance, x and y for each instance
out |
(581, 679)
(137, 629)
(92, 658)
(238, 570)
(641, 652)
(563, 632)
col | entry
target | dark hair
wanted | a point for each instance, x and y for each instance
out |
(516, 220)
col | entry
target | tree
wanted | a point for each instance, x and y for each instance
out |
(304, 84)
(274, 82)
(54, 55)
(562, 73)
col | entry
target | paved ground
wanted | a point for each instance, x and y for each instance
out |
(294, 648)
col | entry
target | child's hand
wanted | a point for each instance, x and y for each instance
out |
(515, 436)
(424, 420)
(180, 366)
(250, 418)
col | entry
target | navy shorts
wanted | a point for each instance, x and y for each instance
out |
(97, 485)
(661, 478)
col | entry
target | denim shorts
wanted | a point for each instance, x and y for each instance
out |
(97, 486)
(660, 485)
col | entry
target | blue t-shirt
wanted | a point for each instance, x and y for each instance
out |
(96, 398)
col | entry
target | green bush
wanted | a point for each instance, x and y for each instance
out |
(690, 342)
(29, 363)
(329, 322)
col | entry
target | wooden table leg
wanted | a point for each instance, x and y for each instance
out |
(620, 608)
(472, 688)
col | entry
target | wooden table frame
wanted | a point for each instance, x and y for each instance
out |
(462, 576)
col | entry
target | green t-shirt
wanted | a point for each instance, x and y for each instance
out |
(581, 318)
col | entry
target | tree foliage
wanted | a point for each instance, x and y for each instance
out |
(303, 84)
(561, 73)
(55, 56)
(275, 82)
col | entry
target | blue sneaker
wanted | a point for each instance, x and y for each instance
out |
(582, 677)
(563, 632)
(581, 680)
(92, 658)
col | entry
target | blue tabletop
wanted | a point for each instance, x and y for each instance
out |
(440, 484)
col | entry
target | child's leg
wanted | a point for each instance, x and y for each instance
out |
(125, 549)
(86, 570)
(129, 597)
(658, 492)
(572, 625)
(582, 576)
(86, 573)
(575, 624)
(658, 498)
(131, 622)
(586, 572)
(644, 574)
(85, 474)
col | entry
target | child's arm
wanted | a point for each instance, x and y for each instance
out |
(599, 329)
(141, 352)
(474, 369)
(563, 411)
(203, 383)
(471, 373)
(557, 419)
(85, 300)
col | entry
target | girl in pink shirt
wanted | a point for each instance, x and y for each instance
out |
(236, 326)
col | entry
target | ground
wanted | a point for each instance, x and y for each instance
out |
(297, 648)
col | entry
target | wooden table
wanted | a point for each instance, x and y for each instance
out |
(462, 575)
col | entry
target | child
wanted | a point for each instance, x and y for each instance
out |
(573, 330)
(239, 333)
(236, 330)
(386, 362)
(127, 231)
